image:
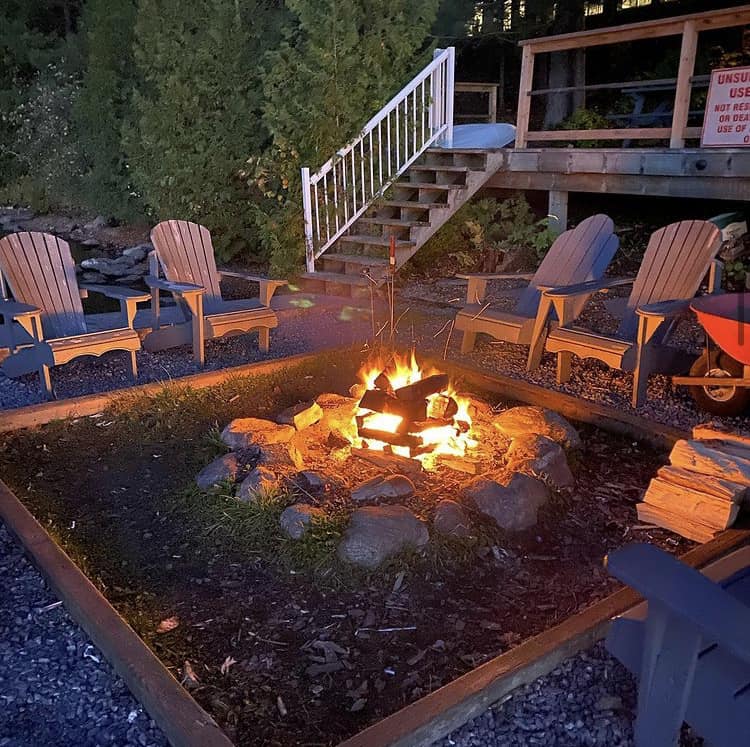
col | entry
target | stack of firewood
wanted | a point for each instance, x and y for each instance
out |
(702, 489)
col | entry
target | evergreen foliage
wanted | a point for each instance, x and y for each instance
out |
(339, 62)
(103, 107)
(196, 112)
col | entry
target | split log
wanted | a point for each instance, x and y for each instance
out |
(423, 388)
(698, 457)
(391, 462)
(691, 504)
(709, 433)
(378, 401)
(469, 465)
(442, 407)
(394, 439)
(681, 525)
(383, 383)
(715, 486)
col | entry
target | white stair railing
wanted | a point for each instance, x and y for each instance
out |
(348, 183)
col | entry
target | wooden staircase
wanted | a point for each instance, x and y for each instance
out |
(427, 195)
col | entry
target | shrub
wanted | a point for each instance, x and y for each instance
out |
(586, 119)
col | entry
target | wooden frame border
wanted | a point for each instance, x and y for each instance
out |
(441, 712)
(178, 715)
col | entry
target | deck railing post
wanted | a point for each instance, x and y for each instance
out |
(685, 71)
(435, 108)
(307, 210)
(524, 99)
(450, 85)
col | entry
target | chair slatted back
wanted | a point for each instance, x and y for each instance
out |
(577, 255)
(186, 255)
(40, 271)
(677, 259)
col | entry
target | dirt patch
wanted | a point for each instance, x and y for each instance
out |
(317, 651)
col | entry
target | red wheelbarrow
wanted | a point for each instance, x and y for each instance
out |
(719, 379)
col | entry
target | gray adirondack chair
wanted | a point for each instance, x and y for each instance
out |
(185, 253)
(579, 254)
(676, 261)
(44, 325)
(689, 646)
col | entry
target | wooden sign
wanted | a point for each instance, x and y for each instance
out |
(727, 119)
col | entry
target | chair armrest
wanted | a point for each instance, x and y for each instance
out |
(664, 309)
(267, 286)
(588, 288)
(496, 276)
(17, 310)
(179, 289)
(685, 593)
(121, 294)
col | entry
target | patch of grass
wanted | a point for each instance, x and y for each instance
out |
(315, 552)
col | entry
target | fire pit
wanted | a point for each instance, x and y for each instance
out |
(413, 412)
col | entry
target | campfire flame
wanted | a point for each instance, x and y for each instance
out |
(446, 438)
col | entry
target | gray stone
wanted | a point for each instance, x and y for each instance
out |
(93, 277)
(138, 253)
(312, 482)
(540, 457)
(538, 420)
(514, 506)
(338, 414)
(260, 480)
(301, 416)
(295, 520)
(451, 520)
(243, 432)
(99, 222)
(220, 470)
(112, 267)
(390, 486)
(376, 533)
(90, 242)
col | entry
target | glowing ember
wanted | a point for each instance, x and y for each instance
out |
(412, 411)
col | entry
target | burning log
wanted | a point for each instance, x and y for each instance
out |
(378, 401)
(383, 383)
(442, 407)
(423, 388)
(395, 439)
(391, 462)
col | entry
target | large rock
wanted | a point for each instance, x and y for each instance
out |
(295, 520)
(390, 486)
(260, 480)
(540, 457)
(513, 506)
(379, 532)
(312, 482)
(338, 415)
(451, 520)
(221, 470)
(242, 432)
(301, 416)
(540, 421)
(138, 253)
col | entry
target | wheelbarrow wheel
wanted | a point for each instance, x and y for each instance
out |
(719, 400)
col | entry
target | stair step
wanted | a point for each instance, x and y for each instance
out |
(355, 259)
(434, 167)
(401, 222)
(414, 205)
(430, 185)
(375, 241)
(336, 277)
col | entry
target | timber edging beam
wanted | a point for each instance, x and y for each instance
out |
(182, 720)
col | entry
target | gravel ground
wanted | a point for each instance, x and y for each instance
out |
(588, 701)
(55, 687)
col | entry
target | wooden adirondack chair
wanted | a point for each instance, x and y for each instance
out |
(579, 254)
(44, 325)
(677, 259)
(689, 645)
(186, 255)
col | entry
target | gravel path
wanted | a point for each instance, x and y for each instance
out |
(588, 701)
(55, 687)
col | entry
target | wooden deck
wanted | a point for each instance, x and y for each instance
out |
(707, 173)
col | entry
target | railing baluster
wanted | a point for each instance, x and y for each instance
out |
(327, 208)
(421, 112)
(372, 166)
(362, 169)
(344, 191)
(380, 154)
(398, 141)
(335, 200)
(354, 183)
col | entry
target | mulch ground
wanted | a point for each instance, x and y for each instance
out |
(282, 645)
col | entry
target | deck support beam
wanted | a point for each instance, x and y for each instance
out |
(557, 211)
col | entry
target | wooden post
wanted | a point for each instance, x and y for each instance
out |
(524, 100)
(682, 93)
(558, 211)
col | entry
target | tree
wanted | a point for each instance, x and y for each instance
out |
(196, 111)
(339, 62)
(103, 107)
